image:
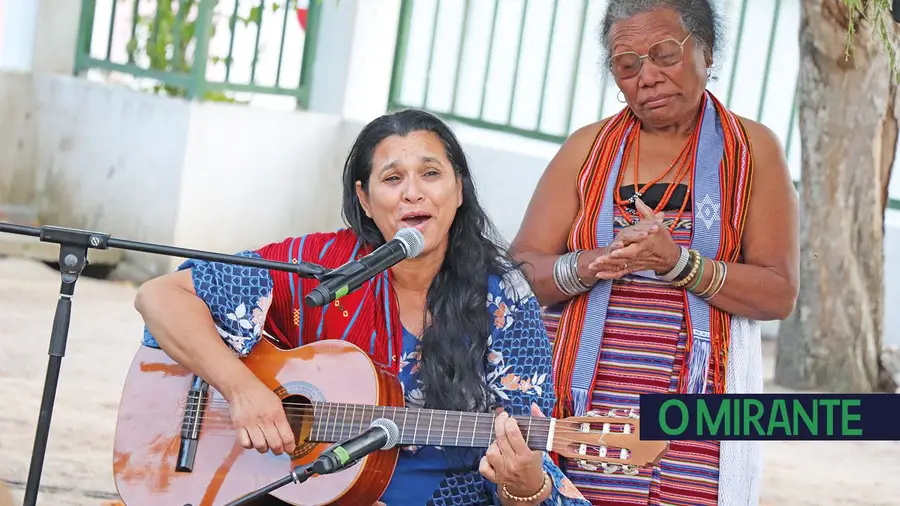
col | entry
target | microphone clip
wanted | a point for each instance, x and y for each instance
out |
(340, 460)
(348, 269)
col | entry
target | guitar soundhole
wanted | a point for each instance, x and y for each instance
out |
(299, 411)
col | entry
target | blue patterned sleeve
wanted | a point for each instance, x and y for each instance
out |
(519, 368)
(238, 298)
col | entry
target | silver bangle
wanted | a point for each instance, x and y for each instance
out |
(565, 274)
(679, 266)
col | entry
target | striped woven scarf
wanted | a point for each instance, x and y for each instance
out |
(721, 190)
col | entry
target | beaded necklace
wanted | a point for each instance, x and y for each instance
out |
(683, 166)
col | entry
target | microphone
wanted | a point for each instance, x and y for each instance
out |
(382, 434)
(408, 243)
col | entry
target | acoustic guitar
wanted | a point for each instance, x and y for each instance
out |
(175, 445)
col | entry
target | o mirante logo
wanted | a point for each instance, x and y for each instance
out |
(770, 417)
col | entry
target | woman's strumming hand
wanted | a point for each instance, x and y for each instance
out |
(259, 419)
(647, 245)
(509, 461)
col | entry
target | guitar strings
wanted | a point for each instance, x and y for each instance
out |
(219, 400)
(480, 439)
(542, 427)
(303, 407)
(332, 409)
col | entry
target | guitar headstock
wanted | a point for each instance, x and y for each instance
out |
(611, 442)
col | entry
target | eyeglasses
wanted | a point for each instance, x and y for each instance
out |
(664, 53)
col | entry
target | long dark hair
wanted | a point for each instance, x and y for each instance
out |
(454, 345)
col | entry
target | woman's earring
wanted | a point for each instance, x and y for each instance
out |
(620, 97)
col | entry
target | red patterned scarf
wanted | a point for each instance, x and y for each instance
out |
(367, 317)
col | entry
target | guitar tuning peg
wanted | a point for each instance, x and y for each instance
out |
(632, 414)
(609, 468)
(612, 413)
(630, 469)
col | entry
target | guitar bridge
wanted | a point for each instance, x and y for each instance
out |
(190, 425)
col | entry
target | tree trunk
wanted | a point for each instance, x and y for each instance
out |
(848, 119)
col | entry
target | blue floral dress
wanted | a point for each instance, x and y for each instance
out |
(518, 365)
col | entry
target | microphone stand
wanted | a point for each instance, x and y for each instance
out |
(74, 244)
(298, 475)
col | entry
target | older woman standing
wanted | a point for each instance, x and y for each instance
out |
(680, 232)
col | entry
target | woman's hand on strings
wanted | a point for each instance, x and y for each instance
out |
(509, 461)
(646, 245)
(259, 419)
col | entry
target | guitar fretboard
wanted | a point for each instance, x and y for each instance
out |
(337, 422)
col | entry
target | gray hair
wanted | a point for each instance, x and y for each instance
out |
(698, 17)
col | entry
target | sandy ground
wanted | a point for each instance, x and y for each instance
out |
(105, 332)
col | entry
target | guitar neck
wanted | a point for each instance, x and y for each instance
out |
(337, 422)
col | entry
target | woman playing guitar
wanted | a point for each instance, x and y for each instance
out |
(458, 324)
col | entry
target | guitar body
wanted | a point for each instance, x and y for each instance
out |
(152, 414)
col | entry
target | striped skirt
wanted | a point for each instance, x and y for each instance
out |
(642, 350)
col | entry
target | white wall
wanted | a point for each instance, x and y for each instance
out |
(211, 176)
(18, 132)
(108, 159)
(352, 77)
(39, 35)
(56, 35)
(17, 33)
(252, 176)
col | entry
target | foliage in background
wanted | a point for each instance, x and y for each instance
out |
(173, 31)
(882, 20)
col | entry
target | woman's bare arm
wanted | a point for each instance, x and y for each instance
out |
(182, 325)
(765, 285)
(545, 228)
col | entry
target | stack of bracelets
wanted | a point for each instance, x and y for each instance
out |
(565, 274)
(687, 273)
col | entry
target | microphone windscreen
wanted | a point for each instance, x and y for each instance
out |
(412, 239)
(391, 429)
